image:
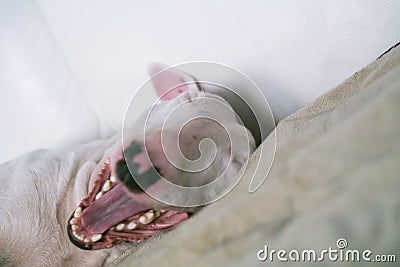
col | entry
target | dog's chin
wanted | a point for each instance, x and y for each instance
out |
(110, 215)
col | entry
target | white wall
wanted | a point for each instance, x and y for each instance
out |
(99, 50)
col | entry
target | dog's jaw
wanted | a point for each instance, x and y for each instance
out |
(110, 214)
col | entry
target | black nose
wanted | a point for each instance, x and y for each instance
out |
(125, 174)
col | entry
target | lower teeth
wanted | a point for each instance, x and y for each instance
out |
(132, 225)
(96, 237)
(120, 226)
(146, 218)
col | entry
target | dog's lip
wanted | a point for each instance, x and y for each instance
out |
(104, 237)
(112, 237)
(75, 241)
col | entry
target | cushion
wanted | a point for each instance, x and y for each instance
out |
(334, 181)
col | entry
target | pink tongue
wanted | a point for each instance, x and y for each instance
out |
(112, 208)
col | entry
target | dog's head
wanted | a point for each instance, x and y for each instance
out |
(118, 208)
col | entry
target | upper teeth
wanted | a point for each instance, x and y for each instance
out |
(107, 186)
(113, 179)
(99, 195)
(78, 212)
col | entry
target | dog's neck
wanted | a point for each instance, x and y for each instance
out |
(34, 230)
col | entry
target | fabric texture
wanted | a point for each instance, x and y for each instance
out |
(335, 175)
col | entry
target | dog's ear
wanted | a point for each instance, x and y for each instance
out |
(169, 82)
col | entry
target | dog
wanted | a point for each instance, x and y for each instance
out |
(85, 205)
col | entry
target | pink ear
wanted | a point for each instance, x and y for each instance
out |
(167, 79)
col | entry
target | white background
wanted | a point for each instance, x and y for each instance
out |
(69, 68)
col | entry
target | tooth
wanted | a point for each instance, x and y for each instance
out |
(146, 218)
(86, 240)
(107, 186)
(113, 179)
(73, 221)
(107, 161)
(78, 212)
(96, 237)
(81, 237)
(157, 213)
(112, 228)
(74, 227)
(99, 195)
(75, 234)
(162, 210)
(142, 219)
(132, 225)
(120, 226)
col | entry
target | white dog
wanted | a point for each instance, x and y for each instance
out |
(81, 207)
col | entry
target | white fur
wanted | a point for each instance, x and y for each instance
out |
(40, 190)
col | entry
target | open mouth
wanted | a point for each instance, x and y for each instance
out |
(110, 215)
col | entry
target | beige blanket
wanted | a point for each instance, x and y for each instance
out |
(336, 175)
